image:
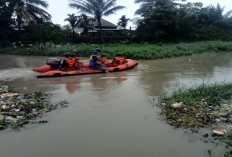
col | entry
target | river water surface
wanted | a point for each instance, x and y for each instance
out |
(110, 115)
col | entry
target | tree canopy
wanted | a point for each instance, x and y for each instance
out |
(168, 21)
(97, 8)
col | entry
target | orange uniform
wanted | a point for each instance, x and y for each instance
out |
(70, 62)
(119, 61)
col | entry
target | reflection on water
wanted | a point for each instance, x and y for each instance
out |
(110, 114)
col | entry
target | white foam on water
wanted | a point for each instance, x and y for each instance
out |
(14, 73)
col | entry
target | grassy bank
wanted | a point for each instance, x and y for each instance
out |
(202, 106)
(199, 106)
(133, 51)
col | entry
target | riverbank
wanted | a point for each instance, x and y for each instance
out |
(202, 106)
(133, 51)
(18, 109)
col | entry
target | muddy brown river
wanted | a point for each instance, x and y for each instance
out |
(111, 115)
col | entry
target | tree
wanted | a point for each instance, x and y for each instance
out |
(123, 22)
(160, 22)
(97, 8)
(147, 5)
(211, 15)
(5, 22)
(45, 32)
(74, 21)
(85, 23)
(29, 11)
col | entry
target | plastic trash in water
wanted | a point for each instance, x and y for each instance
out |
(17, 110)
(219, 131)
(19, 117)
(223, 119)
(175, 105)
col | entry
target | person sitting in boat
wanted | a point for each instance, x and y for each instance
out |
(118, 60)
(78, 64)
(74, 53)
(102, 59)
(95, 62)
(63, 62)
(70, 62)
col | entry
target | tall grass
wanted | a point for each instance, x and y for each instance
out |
(133, 51)
(212, 94)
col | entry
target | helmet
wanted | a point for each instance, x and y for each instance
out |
(73, 54)
(98, 49)
(96, 52)
(118, 54)
(67, 54)
(74, 51)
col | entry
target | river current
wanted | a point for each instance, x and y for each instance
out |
(113, 114)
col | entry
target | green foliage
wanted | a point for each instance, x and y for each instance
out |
(5, 22)
(165, 21)
(133, 51)
(197, 106)
(45, 32)
(85, 23)
(29, 11)
(97, 8)
(72, 19)
(123, 21)
(213, 94)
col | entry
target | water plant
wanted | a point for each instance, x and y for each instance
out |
(133, 51)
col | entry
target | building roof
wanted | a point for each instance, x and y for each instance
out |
(105, 24)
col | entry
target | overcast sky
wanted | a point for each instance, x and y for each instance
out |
(59, 9)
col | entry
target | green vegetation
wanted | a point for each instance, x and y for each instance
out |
(168, 21)
(133, 51)
(197, 107)
(97, 8)
(161, 21)
(202, 106)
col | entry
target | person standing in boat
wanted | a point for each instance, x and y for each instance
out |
(95, 62)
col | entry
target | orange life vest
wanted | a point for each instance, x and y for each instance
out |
(71, 62)
(119, 61)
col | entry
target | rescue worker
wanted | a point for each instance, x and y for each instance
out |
(95, 62)
(102, 59)
(71, 62)
(118, 60)
(74, 52)
(63, 63)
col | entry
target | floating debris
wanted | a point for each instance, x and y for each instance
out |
(19, 109)
(219, 131)
(176, 105)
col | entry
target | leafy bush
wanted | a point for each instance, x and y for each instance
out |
(133, 51)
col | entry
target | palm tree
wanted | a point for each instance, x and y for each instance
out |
(29, 10)
(123, 22)
(146, 5)
(6, 21)
(97, 8)
(85, 23)
(74, 21)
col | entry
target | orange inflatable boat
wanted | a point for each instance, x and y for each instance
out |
(52, 68)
